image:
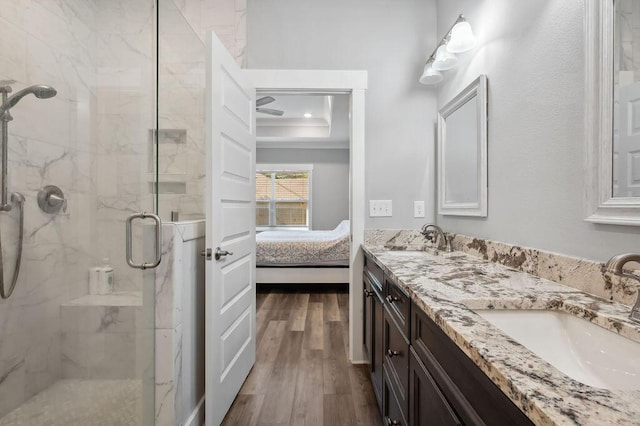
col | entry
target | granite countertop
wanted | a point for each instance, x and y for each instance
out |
(447, 286)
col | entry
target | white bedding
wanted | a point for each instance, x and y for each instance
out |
(286, 248)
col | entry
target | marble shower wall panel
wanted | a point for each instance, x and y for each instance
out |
(183, 28)
(180, 323)
(123, 115)
(228, 18)
(181, 166)
(47, 42)
(90, 140)
(627, 34)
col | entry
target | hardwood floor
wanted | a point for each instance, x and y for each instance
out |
(302, 375)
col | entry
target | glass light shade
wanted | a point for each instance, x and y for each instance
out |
(462, 38)
(445, 60)
(430, 76)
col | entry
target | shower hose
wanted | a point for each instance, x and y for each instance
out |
(16, 198)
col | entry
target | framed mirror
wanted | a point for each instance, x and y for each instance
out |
(612, 119)
(462, 152)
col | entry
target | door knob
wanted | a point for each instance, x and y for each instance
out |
(221, 253)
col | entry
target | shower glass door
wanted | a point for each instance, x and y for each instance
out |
(77, 333)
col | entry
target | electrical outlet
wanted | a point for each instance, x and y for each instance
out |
(418, 209)
(380, 208)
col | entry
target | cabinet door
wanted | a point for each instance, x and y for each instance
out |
(367, 312)
(427, 405)
(377, 354)
(476, 399)
(399, 306)
(392, 414)
(396, 360)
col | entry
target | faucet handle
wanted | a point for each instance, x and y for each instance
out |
(448, 239)
(55, 200)
(51, 199)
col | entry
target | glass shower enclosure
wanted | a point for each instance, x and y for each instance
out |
(91, 91)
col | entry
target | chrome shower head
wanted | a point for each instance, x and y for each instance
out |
(40, 91)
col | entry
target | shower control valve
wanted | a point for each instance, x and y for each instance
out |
(51, 199)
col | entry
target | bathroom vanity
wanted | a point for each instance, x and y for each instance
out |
(434, 360)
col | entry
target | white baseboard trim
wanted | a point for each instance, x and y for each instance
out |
(197, 415)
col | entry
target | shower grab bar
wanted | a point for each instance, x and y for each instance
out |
(158, 242)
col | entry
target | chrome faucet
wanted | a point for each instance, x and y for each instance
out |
(615, 265)
(434, 234)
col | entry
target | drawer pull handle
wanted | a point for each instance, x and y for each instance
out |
(392, 299)
(392, 353)
(367, 293)
(392, 422)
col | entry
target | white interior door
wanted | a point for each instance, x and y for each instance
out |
(626, 142)
(230, 280)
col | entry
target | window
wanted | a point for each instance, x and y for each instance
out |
(283, 196)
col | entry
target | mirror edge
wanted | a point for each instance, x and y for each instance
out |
(600, 205)
(479, 89)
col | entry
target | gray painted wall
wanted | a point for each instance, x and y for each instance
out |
(533, 55)
(390, 40)
(330, 180)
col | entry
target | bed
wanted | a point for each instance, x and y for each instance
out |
(303, 257)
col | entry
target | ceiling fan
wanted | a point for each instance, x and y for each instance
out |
(264, 101)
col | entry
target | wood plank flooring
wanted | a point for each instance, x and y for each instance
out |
(302, 375)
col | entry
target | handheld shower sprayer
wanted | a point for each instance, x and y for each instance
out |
(40, 91)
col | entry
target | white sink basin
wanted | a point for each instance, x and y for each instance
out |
(580, 349)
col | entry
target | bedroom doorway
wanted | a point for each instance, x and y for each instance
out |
(346, 88)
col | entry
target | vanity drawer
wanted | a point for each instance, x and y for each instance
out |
(399, 306)
(392, 414)
(375, 272)
(396, 360)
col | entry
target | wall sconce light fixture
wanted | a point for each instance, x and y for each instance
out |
(458, 39)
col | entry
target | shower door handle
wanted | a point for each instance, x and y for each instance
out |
(158, 241)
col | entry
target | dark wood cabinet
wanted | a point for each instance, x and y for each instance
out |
(392, 413)
(378, 346)
(474, 397)
(373, 324)
(427, 405)
(419, 375)
(398, 305)
(396, 360)
(367, 312)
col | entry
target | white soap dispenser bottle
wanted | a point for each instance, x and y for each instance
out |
(106, 277)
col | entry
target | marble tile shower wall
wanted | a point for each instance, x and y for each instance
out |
(90, 141)
(181, 160)
(228, 18)
(627, 60)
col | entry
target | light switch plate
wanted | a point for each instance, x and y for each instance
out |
(380, 208)
(418, 209)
